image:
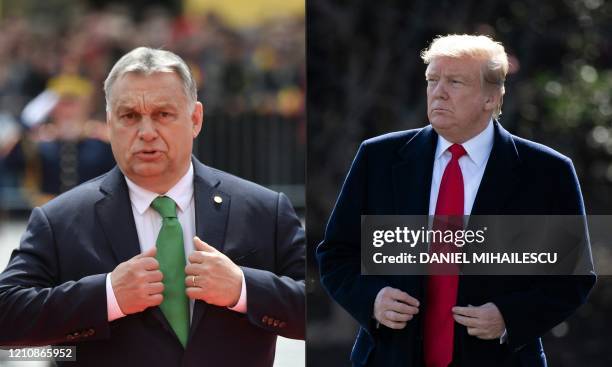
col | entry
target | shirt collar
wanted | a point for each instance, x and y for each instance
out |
(477, 148)
(181, 193)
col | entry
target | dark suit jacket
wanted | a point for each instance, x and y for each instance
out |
(391, 174)
(53, 290)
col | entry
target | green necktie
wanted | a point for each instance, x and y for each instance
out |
(171, 257)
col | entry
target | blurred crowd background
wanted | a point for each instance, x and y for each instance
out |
(366, 78)
(248, 58)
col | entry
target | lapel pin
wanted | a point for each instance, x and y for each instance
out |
(218, 199)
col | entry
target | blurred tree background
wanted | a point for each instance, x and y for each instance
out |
(366, 78)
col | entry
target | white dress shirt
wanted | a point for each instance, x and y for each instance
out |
(148, 224)
(472, 166)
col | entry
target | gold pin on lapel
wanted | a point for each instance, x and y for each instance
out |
(218, 199)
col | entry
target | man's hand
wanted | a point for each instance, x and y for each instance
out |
(137, 283)
(394, 308)
(484, 322)
(218, 281)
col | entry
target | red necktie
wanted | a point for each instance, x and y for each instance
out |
(441, 294)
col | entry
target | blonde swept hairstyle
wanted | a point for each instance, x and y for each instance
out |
(492, 54)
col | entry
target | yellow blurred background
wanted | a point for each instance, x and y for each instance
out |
(245, 13)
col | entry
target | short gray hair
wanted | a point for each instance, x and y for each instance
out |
(492, 53)
(145, 60)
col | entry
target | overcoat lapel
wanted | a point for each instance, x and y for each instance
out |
(501, 176)
(412, 173)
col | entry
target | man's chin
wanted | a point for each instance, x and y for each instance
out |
(448, 130)
(440, 124)
(149, 170)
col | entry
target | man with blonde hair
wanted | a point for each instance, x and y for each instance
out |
(463, 163)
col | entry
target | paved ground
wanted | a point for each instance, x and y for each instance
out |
(289, 353)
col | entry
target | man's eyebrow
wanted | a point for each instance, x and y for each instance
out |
(123, 106)
(165, 105)
(456, 75)
(130, 105)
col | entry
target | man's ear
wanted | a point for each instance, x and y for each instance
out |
(197, 118)
(491, 100)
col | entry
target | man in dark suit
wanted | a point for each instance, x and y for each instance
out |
(116, 266)
(464, 163)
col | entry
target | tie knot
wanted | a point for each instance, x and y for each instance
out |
(165, 206)
(457, 151)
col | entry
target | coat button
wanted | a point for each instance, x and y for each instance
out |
(264, 319)
(276, 322)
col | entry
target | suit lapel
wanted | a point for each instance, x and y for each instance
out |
(211, 206)
(500, 178)
(211, 216)
(412, 173)
(115, 214)
(411, 189)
